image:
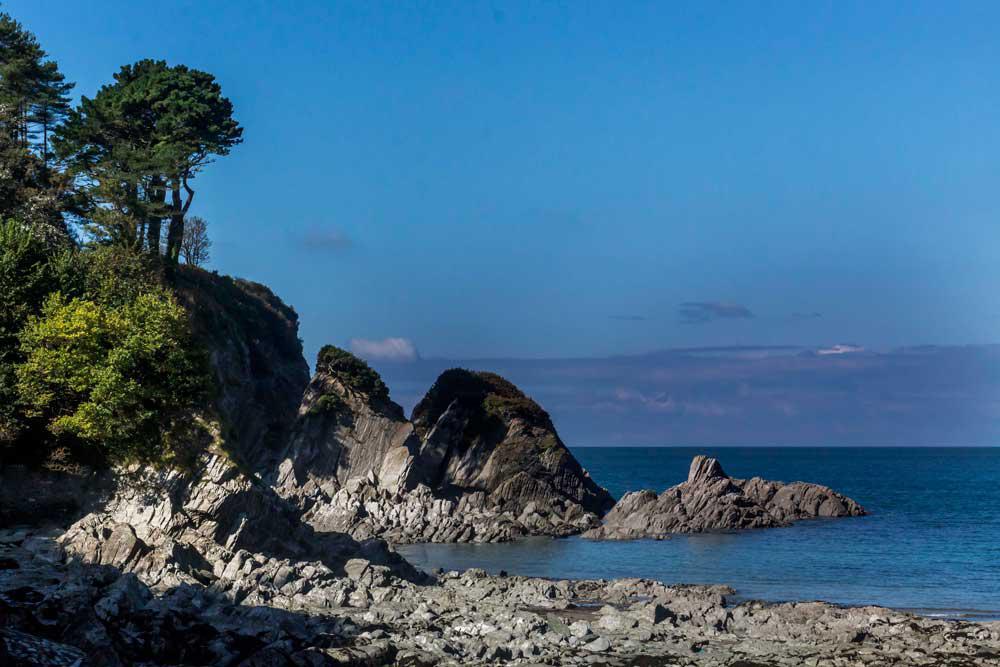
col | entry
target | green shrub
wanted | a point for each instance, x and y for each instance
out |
(115, 275)
(29, 271)
(352, 371)
(327, 404)
(117, 378)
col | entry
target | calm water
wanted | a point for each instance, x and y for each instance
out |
(931, 544)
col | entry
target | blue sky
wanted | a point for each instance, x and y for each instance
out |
(571, 179)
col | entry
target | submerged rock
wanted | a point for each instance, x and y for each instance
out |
(710, 500)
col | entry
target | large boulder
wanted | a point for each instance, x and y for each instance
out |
(710, 500)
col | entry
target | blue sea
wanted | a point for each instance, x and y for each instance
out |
(931, 543)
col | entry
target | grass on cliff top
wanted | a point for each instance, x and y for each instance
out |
(352, 372)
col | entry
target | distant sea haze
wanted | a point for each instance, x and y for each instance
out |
(836, 395)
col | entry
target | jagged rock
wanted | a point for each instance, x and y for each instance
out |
(217, 526)
(481, 462)
(481, 432)
(347, 429)
(710, 500)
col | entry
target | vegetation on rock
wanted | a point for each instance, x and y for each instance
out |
(96, 354)
(117, 378)
(488, 397)
(353, 372)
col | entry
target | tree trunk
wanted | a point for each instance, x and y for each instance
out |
(177, 212)
(176, 233)
(156, 194)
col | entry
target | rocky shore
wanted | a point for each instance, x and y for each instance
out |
(63, 612)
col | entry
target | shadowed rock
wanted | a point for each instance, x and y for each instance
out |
(710, 500)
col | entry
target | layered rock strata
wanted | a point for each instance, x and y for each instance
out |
(480, 462)
(710, 500)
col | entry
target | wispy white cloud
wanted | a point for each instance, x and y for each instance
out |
(839, 349)
(385, 349)
(665, 403)
(326, 239)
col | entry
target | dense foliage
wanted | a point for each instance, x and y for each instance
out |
(115, 377)
(353, 372)
(34, 99)
(26, 276)
(143, 137)
(97, 355)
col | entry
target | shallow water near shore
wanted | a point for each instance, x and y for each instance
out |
(931, 543)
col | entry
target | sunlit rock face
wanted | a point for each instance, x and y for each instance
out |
(480, 462)
(347, 428)
(710, 500)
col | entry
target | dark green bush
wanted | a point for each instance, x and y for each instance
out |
(489, 399)
(30, 269)
(352, 371)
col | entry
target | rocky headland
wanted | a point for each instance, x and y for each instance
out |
(710, 500)
(271, 546)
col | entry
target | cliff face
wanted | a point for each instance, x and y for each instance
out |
(480, 462)
(256, 357)
(710, 500)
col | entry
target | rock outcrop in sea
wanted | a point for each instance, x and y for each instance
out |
(711, 500)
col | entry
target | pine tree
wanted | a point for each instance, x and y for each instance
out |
(34, 98)
(143, 137)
